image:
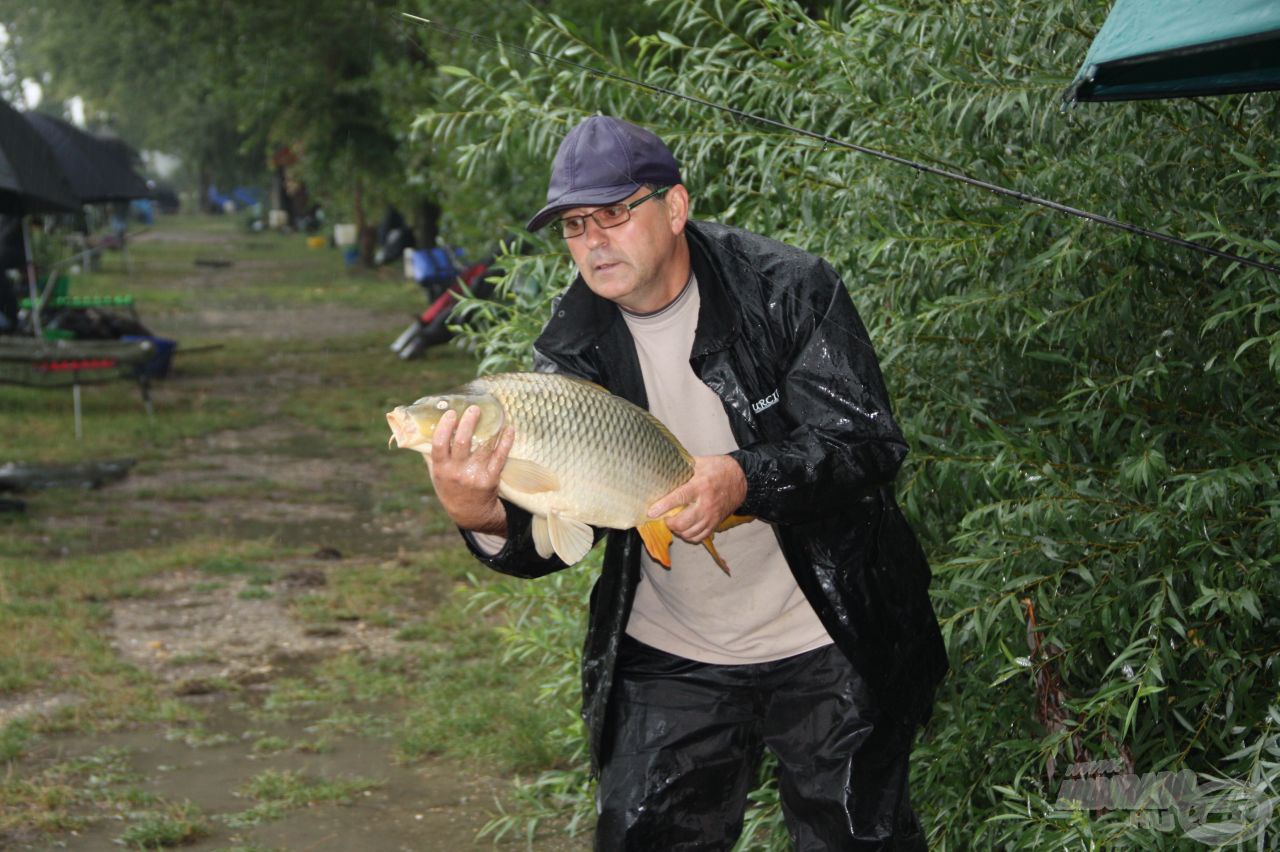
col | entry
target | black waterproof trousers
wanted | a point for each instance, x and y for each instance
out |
(686, 738)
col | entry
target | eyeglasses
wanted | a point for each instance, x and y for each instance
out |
(606, 217)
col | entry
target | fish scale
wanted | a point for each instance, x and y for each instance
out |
(615, 460)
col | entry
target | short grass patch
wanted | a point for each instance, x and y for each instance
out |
(277, 791)
(173, 825)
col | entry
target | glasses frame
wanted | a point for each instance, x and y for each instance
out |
(558, 225)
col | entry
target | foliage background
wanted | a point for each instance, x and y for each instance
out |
(1092, 415)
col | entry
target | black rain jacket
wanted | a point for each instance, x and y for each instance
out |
(780, 343)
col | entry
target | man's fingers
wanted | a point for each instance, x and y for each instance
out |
(466, 428)
(441, 438)
(499, 456)
(679, 497)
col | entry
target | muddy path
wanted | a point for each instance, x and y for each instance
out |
(236, 641)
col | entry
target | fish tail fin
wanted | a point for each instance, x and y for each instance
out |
(709, 544)
(734, 521)
(657, 540)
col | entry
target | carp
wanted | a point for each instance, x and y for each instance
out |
(582, 457)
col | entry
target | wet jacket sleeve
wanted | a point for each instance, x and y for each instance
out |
(518, 557)
(842, 439)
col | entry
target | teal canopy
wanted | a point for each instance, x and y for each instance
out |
(1179, 48)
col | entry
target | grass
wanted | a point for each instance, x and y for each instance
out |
(76, 554)
(278, 791)
(174, 825)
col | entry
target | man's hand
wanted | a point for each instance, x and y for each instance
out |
(717, 488)
(467, 482)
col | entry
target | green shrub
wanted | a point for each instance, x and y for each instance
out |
(1092, 414)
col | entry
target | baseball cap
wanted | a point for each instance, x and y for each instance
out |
(601, 161)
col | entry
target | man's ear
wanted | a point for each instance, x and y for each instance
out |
(678, 207)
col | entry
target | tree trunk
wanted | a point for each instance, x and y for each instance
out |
(426, 223)
(365, 236)
(206, 180)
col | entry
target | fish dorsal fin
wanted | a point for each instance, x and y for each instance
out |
(570, 538)
(542, 537)
(529, 477)
(657, 540)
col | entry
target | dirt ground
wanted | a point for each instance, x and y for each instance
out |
(216, 645)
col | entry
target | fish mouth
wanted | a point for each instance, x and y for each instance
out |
(405, 433)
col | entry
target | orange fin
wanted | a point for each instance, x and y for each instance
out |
(657, 540)
(709, 544)
(734, 521)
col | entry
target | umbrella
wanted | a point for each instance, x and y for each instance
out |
(1181, 48)
(30, 179)
(30, 182)
(97, 169)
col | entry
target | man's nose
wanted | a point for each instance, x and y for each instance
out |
(594, 235)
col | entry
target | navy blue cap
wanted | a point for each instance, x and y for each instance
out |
(602, 161)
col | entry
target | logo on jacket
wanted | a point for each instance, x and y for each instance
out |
(768, 402)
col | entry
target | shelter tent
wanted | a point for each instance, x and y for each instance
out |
(1181, 48)
(31, 181)
(97, 169)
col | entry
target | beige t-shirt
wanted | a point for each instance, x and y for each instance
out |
(694, 610)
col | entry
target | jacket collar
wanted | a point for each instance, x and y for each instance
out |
(580, 317)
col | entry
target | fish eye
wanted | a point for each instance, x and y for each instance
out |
(442, 405)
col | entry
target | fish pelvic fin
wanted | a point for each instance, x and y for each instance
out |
(709, 544)
(657, 540)
(570, 538)
(542, 536)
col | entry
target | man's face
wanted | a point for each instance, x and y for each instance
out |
(634, 264)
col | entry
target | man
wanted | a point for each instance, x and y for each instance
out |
(822, 646)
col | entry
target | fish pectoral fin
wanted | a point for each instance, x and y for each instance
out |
(709, 544)
(529, 477)
(657, 540)
(570, 538)
(542, 537)
(734, 521)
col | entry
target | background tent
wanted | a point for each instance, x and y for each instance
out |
(1179, 48)
(31, 181)
(98, 171)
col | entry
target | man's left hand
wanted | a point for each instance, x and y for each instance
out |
(717, 488)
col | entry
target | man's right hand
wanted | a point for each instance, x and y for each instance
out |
(466, 481)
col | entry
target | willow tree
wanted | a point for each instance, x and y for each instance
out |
(1092, 415)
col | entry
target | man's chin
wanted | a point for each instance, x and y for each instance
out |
(611, 287)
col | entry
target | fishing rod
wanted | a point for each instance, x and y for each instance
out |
(827, 140)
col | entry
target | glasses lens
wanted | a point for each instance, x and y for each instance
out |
(612, 216)
(568, 227)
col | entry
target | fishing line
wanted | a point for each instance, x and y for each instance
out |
(924, 168)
